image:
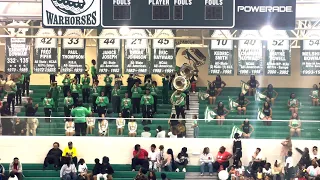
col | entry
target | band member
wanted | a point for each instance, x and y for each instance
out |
(193, 81)
(147, 77)
(147, 102)
(253, 85)
(11, 94)
(118, 80)
(54, 91)
(130, 82)
(136, 95)
(102, 101)
(148, 84)
(219, 85)
(48, 104)
(116, 99)
(85, 88)
(187, 93)
(95, 93)
(66, 84)
(179, 100)
(171, 81)
(126, 106)
(26, 83)
(2, 93)
(212, 93)
(154, 93)
(93, 71)
(75, 89)
(77, 77)
(52, 77)
(68, 104)
(107, 89)
(19, 84)
(165, 90)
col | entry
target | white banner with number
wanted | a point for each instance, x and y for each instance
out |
(72, 58)
(137, 53)
(310, 54)
(109, 52)
(221, 54)
(250, 54)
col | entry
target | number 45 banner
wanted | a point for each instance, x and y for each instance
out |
(72, 58)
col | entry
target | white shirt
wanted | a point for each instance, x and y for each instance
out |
(172, 135)
(132, 127)
(90, 121)
(69, 127)
(258, 157)
(152, 155)
(13, 178)
(267, 172)
(240, 170)
(161, 134)
(313, 156)
(289, 161)
(83, 168)
(146, 134)
(120, 122)
(206, 158)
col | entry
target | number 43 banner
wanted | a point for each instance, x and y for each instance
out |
(72, 59)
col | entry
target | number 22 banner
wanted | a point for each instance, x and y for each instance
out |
(72, 59)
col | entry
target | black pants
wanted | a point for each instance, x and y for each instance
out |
(67, 111)
(187, 100)
(85, 95)
(11, 102)
(47, 113)
(51, 160)
(80, 128)
(65, 90)
(147, 111)
(217, 165)
(129, 91)
(126, 113)
(101, 111)
(107, 92)
(18, 94)
(116, 104)
(94, 79)
(94, 104)
(19, 175)
(236, 158)
(6, 126)
(142, 162)
(77, 77)
(75, 97)
(26, 86)
(155, 98)
(180, 111)
(183, 164)
(136, 105)
(52, 78)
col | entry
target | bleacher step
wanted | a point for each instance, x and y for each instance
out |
(196, 175)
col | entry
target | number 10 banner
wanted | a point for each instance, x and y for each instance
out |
(72, 59)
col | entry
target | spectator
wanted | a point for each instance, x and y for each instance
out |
(83, 170)
(246, 127)
(305, 157)
(16, 168)
(315, 155)
(103, 128)
(160, 133)
(277, 170)
(53, 157)
(70, 152)
(32, 123)
(267, 171)
(169, 162)
(106, 169)
(289, 169)
(96, 169)
(181, 129)
(239, 171)
(286, 146)
(146, 132)
(6, 122)
(68, 171)
(173, 121)
(121, 123)
(195, 126)
(256, 159)
(267, 111)
(19, 128)
(222, 161)
(160, 157)
(132, 127)
(293, 104)
(79, 113)
(152, 175)
(2, 171)
(152, 157)
(206, 159)
(91, 121)
(173, 133)
(69, 127)
(182, 159)
(295, 125)
(140, 157)
(12, 176)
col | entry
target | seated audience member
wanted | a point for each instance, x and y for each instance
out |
(277, 170)
(152, 175)
(140, 157)
(222, 112)
(293, 104)
(141, 174)
(313, 170)
(106, 169)
(53, 156)
(243, 102)
(222, 161)
(160, 157)
(239, 171)
(69, 127)
(256, 159)
(315, 155)
(168, 163)
(173, 121)
(164, 176)
(181, 127)
(195, 126)
(305, 157)
(70, 152)
(83, 170)
(173, 133)
(68, 171)
(267, 111)
(206, 159)
(267, 171)
(152, 157)
(253, 85)
(247, 129)
(302, 173)
(91, 121)
(315, 95)
(270, 93)
(160, 133)
(182, 160)
(96, 169)
(19, 128)
(132, 127)
(121, 123)
(16, 168)
(146, 132)
(103, 128)
(2, 171)
(12, 176)
(295, 125)
(6, 122)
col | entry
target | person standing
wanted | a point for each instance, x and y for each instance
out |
(93, 71)
(77, 77)
(48, 104)
(85, 81)
(126, 106)
(107, 89)
(11, 95)
(95, 93)
(79, 113)
(52, 77)
(19, 83)
(130, 82)
(187, 93)
(66, 84)
(102, 101)
(68, 104)
(6, 122)
(30, 113)
(147, 102)
(289, 169)
(165, 90)
(154, 93)
(26, 83)
(75, 89)
(55, 90)
(179, 107)
(116, 99)
(136, 95)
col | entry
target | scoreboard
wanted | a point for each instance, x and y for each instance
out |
(168, 13)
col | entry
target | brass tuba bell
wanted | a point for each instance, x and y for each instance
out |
(186, 71)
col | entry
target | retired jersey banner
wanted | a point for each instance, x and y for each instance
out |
(45, 55)
(109, 52)
(310, 55)
(250, 54)
(72, 60)
(163, 52)
(278, 61)
(137, 53)
(221, 54)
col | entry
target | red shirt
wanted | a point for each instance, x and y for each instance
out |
(222, 157)
(142, 155)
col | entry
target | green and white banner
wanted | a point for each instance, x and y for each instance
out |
(235, 130)
(209, 114)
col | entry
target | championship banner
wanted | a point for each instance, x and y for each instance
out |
(45, 55)
(17, 59)
(250, 55)
(109, 52)
(310, 55)
(72, 60)
(137, 53)
(221, 54)
(278, 61)
(163, 52)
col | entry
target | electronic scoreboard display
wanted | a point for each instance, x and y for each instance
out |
(168, 13)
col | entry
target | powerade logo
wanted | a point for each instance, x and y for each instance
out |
(70, 12)
(265, 9)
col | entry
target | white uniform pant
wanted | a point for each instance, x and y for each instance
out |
(153, 165)
(104, 176)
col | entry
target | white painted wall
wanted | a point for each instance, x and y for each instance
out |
(34, 149)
